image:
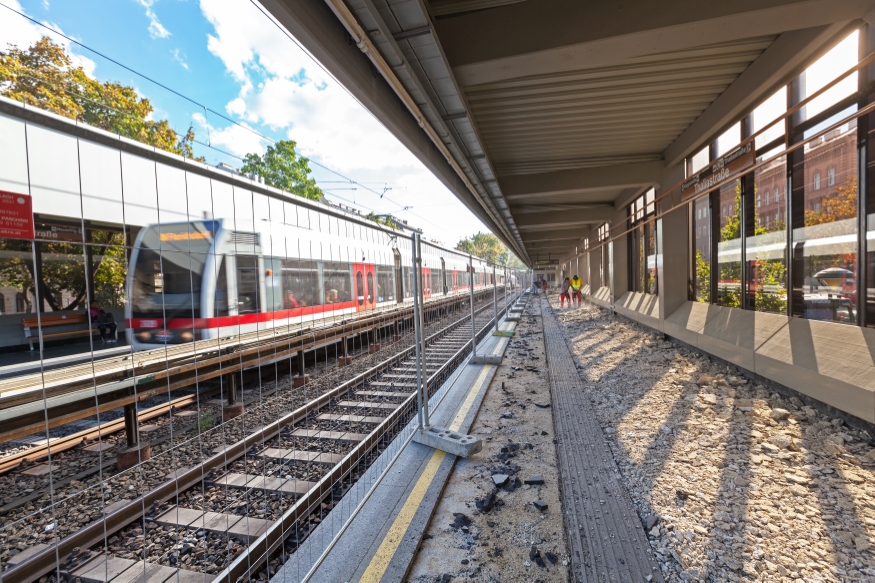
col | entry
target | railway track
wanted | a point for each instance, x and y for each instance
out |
(257, 495)
(46, 400)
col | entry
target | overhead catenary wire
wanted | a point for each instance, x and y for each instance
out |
(220, 115)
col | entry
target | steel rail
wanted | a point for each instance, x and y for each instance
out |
(60, 444)
(244, 566)
(69, 406)
(49, 559)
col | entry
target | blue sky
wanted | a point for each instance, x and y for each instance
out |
(228, 56)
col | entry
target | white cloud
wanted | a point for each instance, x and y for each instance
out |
(18, 31)
(232, 139)
(156, 29)
(282, 87)
(180, 58)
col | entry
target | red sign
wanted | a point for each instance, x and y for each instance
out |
(16, 216)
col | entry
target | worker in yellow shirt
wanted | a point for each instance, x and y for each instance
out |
(576, 291)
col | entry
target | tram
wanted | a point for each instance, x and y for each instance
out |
(203, 279)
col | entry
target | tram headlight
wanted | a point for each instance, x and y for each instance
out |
(186, 336)
(144, 336)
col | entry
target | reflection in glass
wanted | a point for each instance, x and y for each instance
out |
(16, 276)
(825, 228)
(338, 282)
(652, 283)
(767, 245)
(385, 283)
(870, 266)
(701, 284)
(729, 246)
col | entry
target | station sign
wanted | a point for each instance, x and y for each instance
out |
(724, 168)
(16, 215)
(50, 232)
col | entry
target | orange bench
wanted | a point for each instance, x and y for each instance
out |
(79, 323)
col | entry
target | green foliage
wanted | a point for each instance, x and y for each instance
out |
(206, 421)
(770, 293)
(44, 76)
(489, 247)
(703, 278)
(381, 220)
(282, 167)
(63, 269)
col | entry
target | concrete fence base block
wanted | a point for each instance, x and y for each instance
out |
(128, 457)
(373, 348)
(231, 411)
(300, 381)
(485, 359)
(344, 361)
(451, 442)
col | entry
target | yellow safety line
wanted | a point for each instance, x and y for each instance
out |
(387, 549)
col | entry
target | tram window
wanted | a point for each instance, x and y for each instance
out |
(370, 287)
(300, 284)
(221, 300)
(273, 284)
(247, 284)
(338, 282)
(385, 283)
(408, 281)
(360, 284)
(167, 284)
(436, 284)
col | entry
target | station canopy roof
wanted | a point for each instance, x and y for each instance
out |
(558, 112)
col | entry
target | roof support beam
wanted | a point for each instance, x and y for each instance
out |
(510, 42)
(782, 60)
(565, 235)
(579, 181)
(563, 219)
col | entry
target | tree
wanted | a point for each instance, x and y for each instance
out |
(768, 276)
(44, 76)
(489, 247)
(63, 270)
(386, 221)
(282, 167)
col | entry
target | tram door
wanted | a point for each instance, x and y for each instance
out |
(426, 282)
(247, 284)
(365, 286)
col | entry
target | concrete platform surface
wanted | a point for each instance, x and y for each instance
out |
(380, 541)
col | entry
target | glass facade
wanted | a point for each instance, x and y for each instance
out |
(642, 244)
(787, 237)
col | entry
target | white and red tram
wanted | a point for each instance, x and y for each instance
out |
(200, 279)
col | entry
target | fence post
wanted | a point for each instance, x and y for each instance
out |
(416, 330)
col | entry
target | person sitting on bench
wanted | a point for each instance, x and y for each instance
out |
(104, 321)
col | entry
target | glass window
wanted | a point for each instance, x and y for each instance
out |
(729, 140)
(729, 247)
(650, 247)
(870, 259)
(385, 283)
(16, 275)
(698, 161)
(300, 284)
(766, 250)
(360, 286)
(825, 229)
(338, 282)
(838, 60)
(701, 284)
(767, 112)
(831, 177)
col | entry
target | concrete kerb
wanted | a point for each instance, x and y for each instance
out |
(449, 441)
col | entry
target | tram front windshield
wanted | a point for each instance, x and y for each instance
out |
(169, 271)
